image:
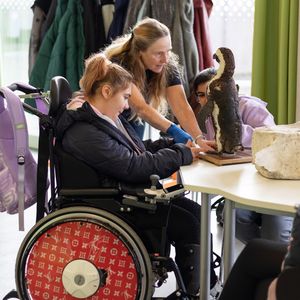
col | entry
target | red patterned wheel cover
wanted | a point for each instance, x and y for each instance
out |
(68, 241)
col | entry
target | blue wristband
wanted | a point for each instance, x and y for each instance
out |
(179, 135)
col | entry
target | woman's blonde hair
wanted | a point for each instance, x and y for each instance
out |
(126, 50)
(99, 71)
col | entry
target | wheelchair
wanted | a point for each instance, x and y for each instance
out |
(88, 247)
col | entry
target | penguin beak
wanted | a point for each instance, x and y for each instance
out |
(215, 56)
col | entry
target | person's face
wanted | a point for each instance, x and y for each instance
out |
(201, 93)
(157, 55)
(118, 103)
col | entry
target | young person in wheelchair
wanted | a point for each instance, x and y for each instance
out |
(94, 131)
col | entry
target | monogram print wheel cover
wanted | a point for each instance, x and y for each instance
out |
(81, 240)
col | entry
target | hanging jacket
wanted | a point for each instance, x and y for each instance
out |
(39, 17)
(105, 148)
(62, 49)
(94, 32)
(202, 10)
(117, 25)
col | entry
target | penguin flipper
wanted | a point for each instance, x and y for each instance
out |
(204, 113)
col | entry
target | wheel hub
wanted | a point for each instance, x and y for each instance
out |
(81, 278)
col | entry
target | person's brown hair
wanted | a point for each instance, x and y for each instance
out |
(204, 76)
(126, 50)
(99, 71)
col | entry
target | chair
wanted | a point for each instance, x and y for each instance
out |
(87, 247)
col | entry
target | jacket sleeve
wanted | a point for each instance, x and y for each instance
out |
(161, 143)
(253, 114)
(111, 158)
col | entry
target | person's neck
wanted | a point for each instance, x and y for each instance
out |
(98, 104)
(101, 109)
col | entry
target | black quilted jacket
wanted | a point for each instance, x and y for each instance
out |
(95, 141)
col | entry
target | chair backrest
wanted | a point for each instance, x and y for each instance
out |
(60, 93)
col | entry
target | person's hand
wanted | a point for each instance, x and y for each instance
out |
(76, 101)
(179, 135)
(195, 149)
(272, 290)
(206, 145)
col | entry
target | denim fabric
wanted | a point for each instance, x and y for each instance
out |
(139, 128)
(250, 225)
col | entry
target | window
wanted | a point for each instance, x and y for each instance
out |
(16, 20)
(15, 27)
(231, 25)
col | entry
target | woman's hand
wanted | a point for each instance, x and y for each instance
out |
(76, 101)
(195, 149)
(206, 145)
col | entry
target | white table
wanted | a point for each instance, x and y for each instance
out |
(242, 185)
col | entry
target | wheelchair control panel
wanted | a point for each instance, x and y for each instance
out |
(150, 197)
(165, 194)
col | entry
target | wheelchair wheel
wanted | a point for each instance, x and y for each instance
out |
(83, 253)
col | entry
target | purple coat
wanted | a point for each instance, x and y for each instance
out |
(253, 113)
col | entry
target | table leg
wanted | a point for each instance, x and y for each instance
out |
(205, 248)
(229, 236)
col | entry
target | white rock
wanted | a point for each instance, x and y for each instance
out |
(276, 151)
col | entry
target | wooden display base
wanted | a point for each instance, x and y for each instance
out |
(239, 157)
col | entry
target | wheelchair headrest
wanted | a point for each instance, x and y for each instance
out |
(60, 93)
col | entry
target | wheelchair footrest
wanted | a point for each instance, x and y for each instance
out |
(176, 295)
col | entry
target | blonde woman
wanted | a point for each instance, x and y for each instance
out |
(147, 54)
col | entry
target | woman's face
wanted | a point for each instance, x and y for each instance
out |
(118, 103)
(157, 55)
(201, 93)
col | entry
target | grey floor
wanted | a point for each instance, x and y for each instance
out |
(11, 238)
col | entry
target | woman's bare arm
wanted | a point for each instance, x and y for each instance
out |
(146, 112)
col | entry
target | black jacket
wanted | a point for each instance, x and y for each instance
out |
(104, 147)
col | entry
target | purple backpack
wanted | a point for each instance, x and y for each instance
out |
(18, 169)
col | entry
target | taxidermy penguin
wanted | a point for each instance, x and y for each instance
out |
(222, 104)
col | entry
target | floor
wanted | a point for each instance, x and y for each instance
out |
(11, 239)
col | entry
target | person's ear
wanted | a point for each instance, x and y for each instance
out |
(106, 91)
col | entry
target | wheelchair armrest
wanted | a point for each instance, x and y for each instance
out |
(89, 192)
(135, 202)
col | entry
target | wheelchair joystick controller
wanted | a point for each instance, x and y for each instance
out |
(153, 192)
(154, 181)
(164, 194)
